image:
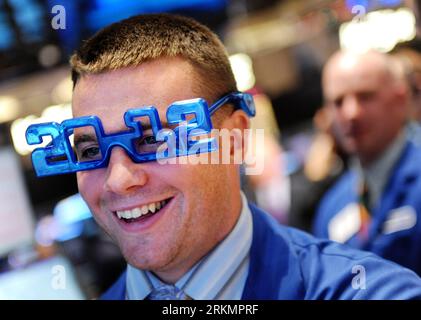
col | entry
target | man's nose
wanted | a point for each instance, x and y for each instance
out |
(351, 108)
(123, 175)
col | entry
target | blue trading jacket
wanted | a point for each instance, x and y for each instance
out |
(395, 230)
(289, 264)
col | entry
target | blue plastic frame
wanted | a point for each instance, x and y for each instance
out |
(58, 158)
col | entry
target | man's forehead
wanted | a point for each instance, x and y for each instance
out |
(339, 81)
(156, 82)
(354, 65)
(111, 106)
(101, 103)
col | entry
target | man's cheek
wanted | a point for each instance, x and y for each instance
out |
(80, 177)
(178, 173)
(88, 187)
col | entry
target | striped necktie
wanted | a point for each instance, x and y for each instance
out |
(167, 292)
(365, 216)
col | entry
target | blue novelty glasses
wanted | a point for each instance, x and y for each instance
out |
(93, 147)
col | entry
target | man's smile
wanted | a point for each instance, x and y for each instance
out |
(141, 212)
(139, 218)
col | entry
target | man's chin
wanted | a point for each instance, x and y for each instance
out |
(145, 258)
(144, 263)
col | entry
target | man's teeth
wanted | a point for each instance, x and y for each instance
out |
(140, 211)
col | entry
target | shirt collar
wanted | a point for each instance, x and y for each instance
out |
(220, 265)
(378, 172)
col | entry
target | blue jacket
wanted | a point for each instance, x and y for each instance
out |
(289, 264)
(395, 230)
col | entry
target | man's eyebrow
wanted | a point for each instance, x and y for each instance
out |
(147, 126)
(84, 138)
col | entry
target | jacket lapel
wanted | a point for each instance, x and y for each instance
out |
(274, 272)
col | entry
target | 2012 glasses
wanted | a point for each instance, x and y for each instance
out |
(145, 140)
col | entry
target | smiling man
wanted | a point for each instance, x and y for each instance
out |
(375, 205)
(176, 231)
(187, 230)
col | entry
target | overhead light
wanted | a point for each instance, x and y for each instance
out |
(49, 55)
(17, 131)
(242, 67)
(56, 113)
(62, 93)
(380, 30)
(9, 108)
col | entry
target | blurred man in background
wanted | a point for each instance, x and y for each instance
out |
(186, 230)
(376, 205)
(411, 63)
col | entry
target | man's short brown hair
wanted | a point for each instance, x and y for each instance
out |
(141, 38)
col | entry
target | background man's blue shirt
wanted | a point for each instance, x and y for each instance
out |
(395, 228)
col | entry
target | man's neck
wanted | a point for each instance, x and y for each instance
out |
(377, 172)
(371, 160)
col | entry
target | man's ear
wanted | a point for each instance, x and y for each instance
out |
(403, 99)
(237, 123)
(238, 119)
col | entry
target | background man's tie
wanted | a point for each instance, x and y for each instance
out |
(365, 216)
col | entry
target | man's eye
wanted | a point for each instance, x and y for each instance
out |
(148, 140)
(366, 96)
(337, 103)
(148, 144)
(89, 153)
